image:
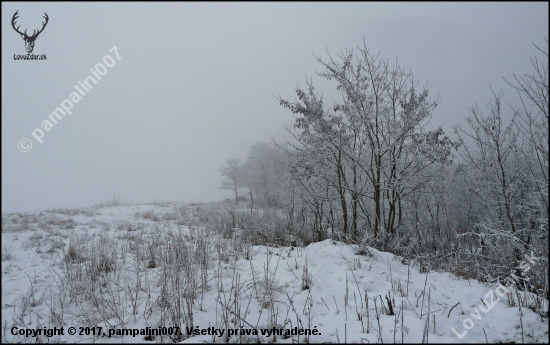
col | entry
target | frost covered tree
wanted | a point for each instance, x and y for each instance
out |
(507, 175)
(232, 176)
(532, 204)
(495, 170)
(367, 168)
(264, 172)
(533, 123)
(371, 148)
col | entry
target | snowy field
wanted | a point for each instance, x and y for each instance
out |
(117, 267)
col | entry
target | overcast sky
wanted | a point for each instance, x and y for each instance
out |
(196, 84)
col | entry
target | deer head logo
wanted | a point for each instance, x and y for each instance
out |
(29, 40)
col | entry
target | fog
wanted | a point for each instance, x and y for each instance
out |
(197, 83)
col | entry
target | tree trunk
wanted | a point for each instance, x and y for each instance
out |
(341, 192)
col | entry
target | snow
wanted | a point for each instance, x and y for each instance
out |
(271, 288)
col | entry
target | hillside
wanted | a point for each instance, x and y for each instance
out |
(156, 265)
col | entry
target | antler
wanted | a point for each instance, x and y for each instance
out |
(34, 33)
(43, 25)
(13, 24)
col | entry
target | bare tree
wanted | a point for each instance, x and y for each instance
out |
(263, 173)
(534, 118)
(507, 174)
(371, 147)
(232, 176)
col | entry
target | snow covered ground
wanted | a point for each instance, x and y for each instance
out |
(325, 290)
